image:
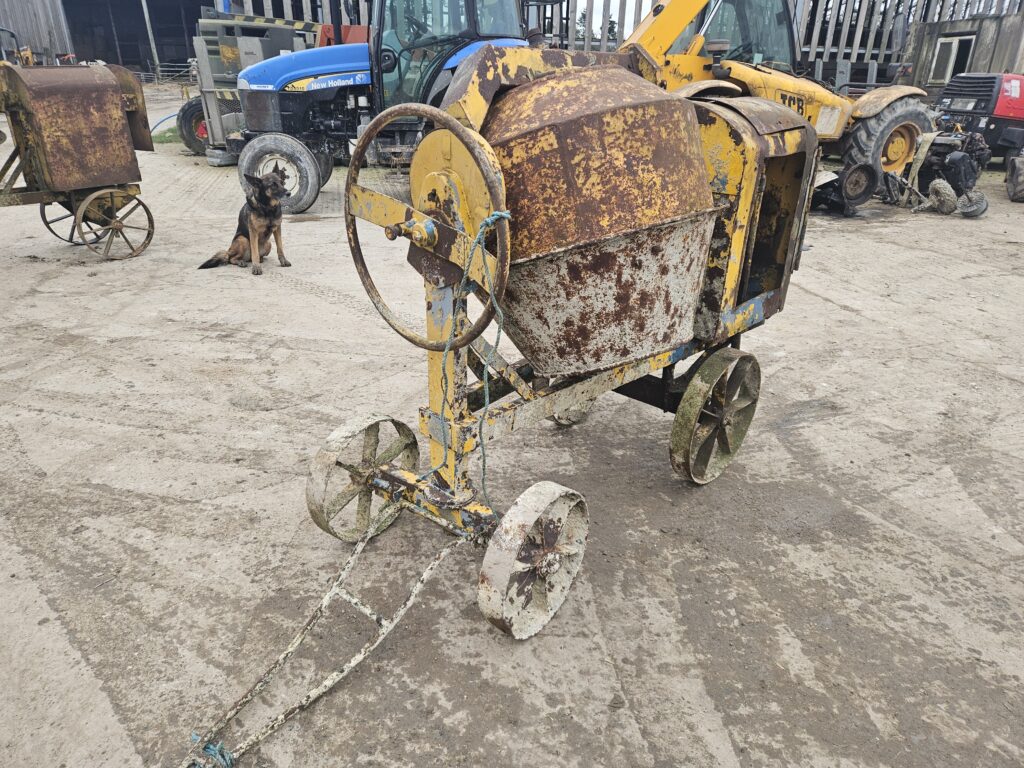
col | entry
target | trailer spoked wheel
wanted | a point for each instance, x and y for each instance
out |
(714, 414)
(279, 150)
(123, 220)
(338, 492)
(532, 559)
(57, 217)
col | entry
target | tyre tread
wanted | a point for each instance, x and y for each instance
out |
(863, 142)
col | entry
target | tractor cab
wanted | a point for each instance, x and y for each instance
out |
(417, 44)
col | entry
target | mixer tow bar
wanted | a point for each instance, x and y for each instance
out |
(213, 754)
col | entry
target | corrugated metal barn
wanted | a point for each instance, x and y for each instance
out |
(39, 24)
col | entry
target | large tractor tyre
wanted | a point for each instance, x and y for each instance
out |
(279, 150)
(888, 140)
(192, 126)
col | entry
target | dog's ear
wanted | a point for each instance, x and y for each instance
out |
(254, 181)
(280, 172)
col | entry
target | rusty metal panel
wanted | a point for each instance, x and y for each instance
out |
(591, 153)
(481, 77)
(134, 102)
(74, 125)
(611, 218)
(610, 302)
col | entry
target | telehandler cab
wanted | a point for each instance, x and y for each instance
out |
(748, 47)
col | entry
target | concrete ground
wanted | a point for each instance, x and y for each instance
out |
(849, 593)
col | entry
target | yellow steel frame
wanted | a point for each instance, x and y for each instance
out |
(448, 192)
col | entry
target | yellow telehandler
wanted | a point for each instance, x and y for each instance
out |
(747, 47)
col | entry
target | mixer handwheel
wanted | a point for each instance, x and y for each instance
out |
(338, 492)
(449, 242)
(714, 414)
(533, 558)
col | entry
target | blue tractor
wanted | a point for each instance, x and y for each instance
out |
(302, 109)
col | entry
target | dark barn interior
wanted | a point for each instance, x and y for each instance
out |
(115, 30)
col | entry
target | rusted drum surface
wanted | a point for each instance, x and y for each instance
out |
(74, 121)
(611, 218)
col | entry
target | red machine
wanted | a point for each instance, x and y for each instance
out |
(992, 105)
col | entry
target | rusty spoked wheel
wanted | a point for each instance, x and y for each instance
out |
(338, 492)
(713, 417)
(533, 558)
(125, 222)
(58, 217)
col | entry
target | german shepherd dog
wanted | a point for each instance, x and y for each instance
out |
(259, 218)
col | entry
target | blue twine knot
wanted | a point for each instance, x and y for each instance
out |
(493, 219)
(218, 752)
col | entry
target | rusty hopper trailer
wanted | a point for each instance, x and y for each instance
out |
(74, 132)
(624, 238)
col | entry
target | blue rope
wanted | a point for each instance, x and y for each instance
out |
(161, 121)
(218, 752)
(478, 244)
(499, 316)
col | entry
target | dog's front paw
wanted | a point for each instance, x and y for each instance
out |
(257, 269)
(284, 262)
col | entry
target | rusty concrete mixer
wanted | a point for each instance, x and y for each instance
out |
(614, 231)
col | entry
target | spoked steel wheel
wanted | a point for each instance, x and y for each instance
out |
(714, 414)
(533, 558)
(125, 222)
(60, 221)
(338, 493)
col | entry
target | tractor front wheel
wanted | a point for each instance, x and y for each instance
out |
(888, 140)
(270, 151)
